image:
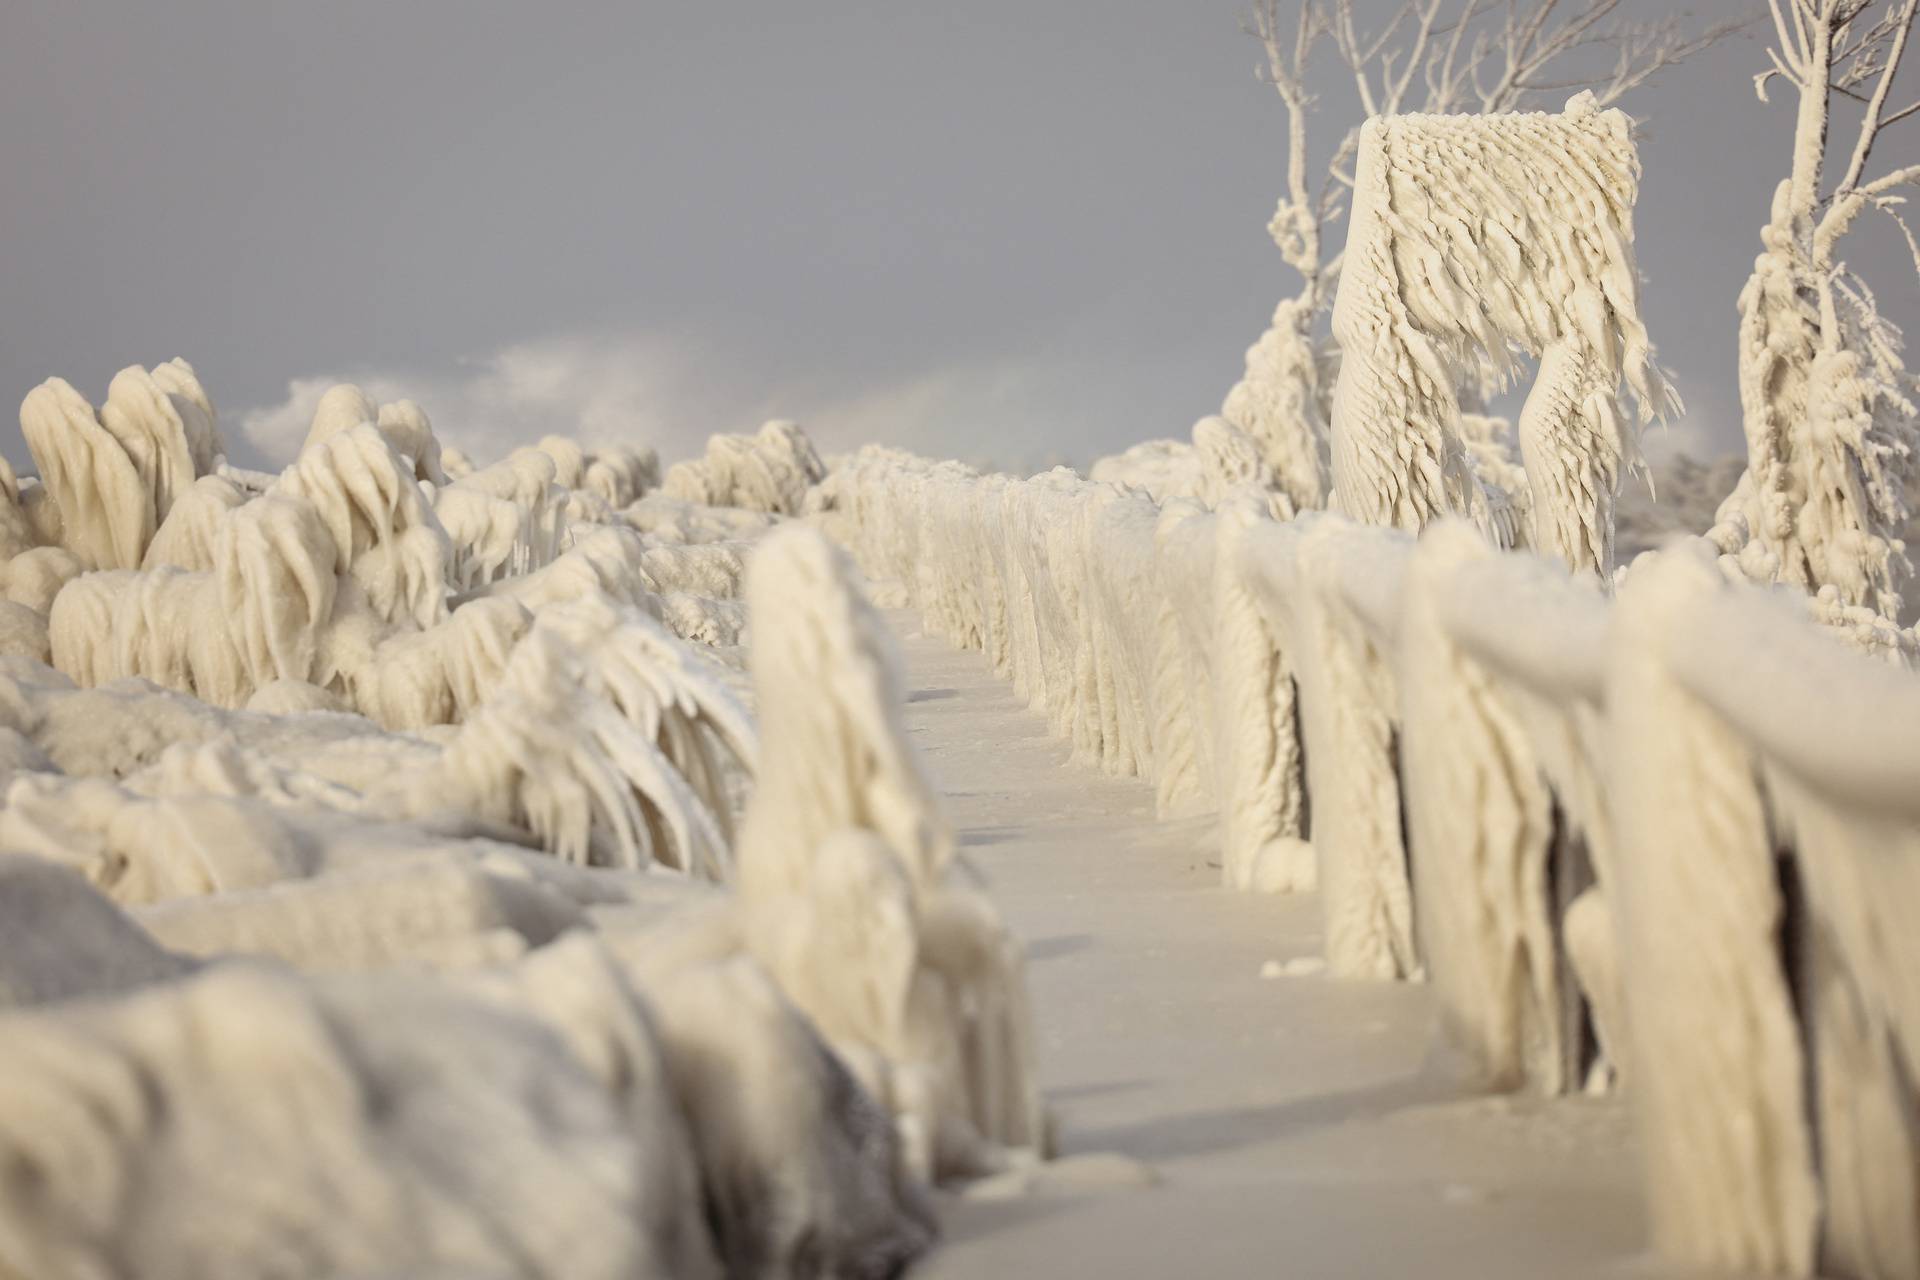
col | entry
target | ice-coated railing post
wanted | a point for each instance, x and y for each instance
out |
(1347, 709)
(1185, 772)
(1483, 875)
(1263, 787)
(1718, 1076)
(1833, 741)
(1501, 670)
(846, 875)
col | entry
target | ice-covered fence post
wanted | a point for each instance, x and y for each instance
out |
(1719, 1083)
(1117, 568)
(1096, 706)
(1037, 604)
(993, 552)
(1262, 790)
(1305, 574)
(1471, 234)
(1774, 1043)
(939, 571)
(1493, 870)
(845, 873)
(1184, 768)
(1055, 527)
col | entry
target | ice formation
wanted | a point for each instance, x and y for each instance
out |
(340, 578)
(1280, 402)
(1470, 234)
(543, 832)
(1660, 845)
(848, 884)
(1161, 469)
(1221, 463)
(770, 470)
(443, 813)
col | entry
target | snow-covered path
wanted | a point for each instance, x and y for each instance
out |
(1299, 1127)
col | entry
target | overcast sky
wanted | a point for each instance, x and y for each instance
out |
(999, 229)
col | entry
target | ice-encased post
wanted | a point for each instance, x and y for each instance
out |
(1472, 236)
(847, 878)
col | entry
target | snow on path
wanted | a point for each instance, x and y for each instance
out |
(1299, 1127)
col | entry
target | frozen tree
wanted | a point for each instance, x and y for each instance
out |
(1473, 236)
(1433, 56)
(1828, 407)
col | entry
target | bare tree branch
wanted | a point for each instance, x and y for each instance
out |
(1893, 33)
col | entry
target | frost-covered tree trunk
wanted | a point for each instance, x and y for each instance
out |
(1280, 401)
(1828, 408)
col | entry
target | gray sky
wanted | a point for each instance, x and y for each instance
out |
(993, 229)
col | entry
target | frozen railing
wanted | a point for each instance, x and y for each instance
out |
(1672, 839)
(1765, 791)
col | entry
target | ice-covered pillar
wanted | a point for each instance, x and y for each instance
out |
(1471, 235)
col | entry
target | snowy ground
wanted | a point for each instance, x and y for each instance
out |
(1297, 1126)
